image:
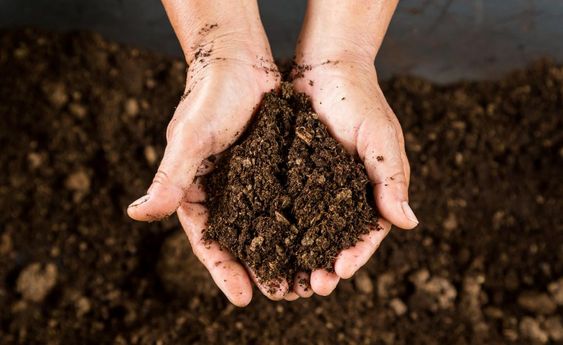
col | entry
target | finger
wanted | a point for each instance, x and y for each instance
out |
(229, 275)
(275, 290)
(175, 174)
(351, 259)
(323, 282)
(302, 285)
(291, 296)
(380, 149)
(196, 192)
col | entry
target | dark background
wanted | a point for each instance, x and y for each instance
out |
(442, 40)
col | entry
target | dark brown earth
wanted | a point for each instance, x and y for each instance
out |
(83, 125)
(287, 197)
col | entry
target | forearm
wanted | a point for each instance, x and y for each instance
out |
(229, 26)
(342, 30)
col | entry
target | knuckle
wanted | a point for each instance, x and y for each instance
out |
(170, 129)
(389, 129)
(398, 178)
(161, 177)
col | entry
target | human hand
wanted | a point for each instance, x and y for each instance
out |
(347, 97)
(230, 69)
(335, 67)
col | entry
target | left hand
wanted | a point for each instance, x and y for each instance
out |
(347, 97)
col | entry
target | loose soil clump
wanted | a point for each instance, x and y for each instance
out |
(288, 197)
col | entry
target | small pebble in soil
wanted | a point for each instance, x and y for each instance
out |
(83, 306)
(35, 159)
(556, 290)
(432, 293)
(398, 306)
(363, 282)
(471, 302)
(554, 328)
(131, 107)
(536, 302)
(78, 110)
(150, 154)
(36, 281)
(531, 330)
(56, 94)
(385, 283)
(78, 181)
(5, 243)
(450, 223)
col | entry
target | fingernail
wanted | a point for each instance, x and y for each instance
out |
(407, 210)
(140, 201)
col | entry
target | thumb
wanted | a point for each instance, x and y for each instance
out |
(387, 168)
(175, 174)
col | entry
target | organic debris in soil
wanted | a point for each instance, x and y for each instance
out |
(288, 197)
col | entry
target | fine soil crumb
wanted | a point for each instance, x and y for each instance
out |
(299, 70)
(288, 197)
(36, 281)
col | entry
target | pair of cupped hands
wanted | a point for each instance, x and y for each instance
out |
(226, 81)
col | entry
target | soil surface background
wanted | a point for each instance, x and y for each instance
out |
(83, 123)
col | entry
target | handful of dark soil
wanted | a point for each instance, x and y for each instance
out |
(288, 197)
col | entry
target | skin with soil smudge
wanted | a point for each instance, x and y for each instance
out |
(288, 197)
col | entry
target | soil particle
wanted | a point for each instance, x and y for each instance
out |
(83, 306)
(363, 282)
(554, 328)
(531, 330)
(556, 290)
(79, 181)
(398, 306)
(36, 281)
(432, 293)
(471, 303)
(288, 197)
(536, 302)
(131, 107)
(207, 28)
(78, 110)
(450, 223)
(5, 244)
(150, 154)
(35, 159)
(385, 282)
(299, 70)
(56, 93)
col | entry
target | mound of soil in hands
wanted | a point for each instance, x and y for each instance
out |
(83, 130)
(288, 197)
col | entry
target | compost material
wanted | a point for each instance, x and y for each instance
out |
(83, 123)
(288, 197)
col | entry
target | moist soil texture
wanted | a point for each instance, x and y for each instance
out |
(83, 129)
(287, 197)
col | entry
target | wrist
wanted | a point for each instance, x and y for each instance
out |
(328, 49)
(228, 29)
(350, 31)
(227, 42)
